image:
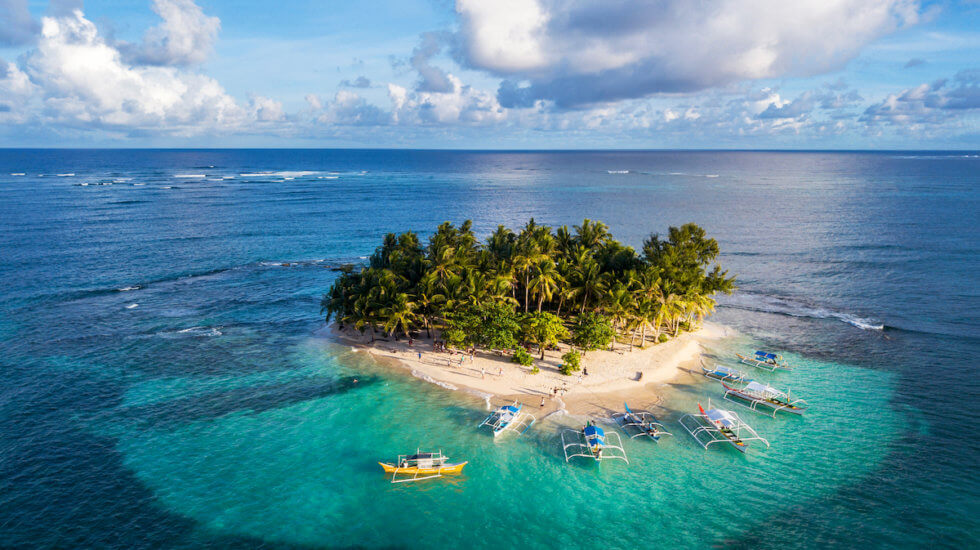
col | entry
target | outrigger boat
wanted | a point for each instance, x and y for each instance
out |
(755, 395)
(723, 373)
(592, 442)
(508, 417)
(765, 360)
(720, 426)
(421, 466)
(641, 422)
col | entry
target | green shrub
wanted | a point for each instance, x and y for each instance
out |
(663, 338)
(535, 369)
(522, 357)
(571, 362)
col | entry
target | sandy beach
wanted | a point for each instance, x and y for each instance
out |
(613, 376)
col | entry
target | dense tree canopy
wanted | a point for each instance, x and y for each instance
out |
(532, 286)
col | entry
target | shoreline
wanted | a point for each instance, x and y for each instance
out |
(613, 376)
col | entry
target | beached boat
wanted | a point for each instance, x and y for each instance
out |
(508, 418)
(723, 373)
(765, 360)
(764, 398)
(592, 442)
(639, 423)
(419, 466)
(720, 426)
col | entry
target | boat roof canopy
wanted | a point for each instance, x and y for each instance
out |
(766, 355)
(510, 408)
(718, 415)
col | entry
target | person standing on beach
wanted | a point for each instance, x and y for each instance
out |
(420, 357)
(483, 373)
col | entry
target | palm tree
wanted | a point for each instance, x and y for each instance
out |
(545, 281)
(399, 314)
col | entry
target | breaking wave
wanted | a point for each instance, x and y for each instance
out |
(431, 380)
(749, 301)
(617, 171)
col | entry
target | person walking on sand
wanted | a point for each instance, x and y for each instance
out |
(542, 401)
(483, 373)
(420, 357)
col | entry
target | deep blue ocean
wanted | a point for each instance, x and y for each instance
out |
(164, 381)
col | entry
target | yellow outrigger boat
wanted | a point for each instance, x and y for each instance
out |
(421, 466)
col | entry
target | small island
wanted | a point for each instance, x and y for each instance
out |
(572, 318)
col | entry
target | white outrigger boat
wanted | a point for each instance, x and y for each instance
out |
(419, 466)
(641, 422)
(508, 417)
(723, 373)
(720, 426)
(755, 395)
(592, 442)
(765, 360)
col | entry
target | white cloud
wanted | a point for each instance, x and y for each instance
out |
(84, 81)
(580, 52)
(928, 104)
(461, 104)
(185, 36)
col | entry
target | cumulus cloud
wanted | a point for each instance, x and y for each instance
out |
(581, 52)
(16, 24)
(462, 104)
(185, 36)
(431, 78)
(83, 81)
(926, 104)
(359, 82)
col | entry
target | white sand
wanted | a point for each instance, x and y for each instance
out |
(614, 376)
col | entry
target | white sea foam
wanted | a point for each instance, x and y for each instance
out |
(138, 184)
(168, 187)
(327, 177)
(68, 175)
(785, 306)
(287, 174)
(617, 171)
(132, 306)
(191, 176)
(227, 177)
(711, 175)
(128, 288)
(200, 331)
(427, 378)
(18, 174)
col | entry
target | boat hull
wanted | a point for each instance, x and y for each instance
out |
(445, 469)
(771, 406)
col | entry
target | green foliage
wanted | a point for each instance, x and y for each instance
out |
(571, 362)
(535, 370)
(663, 338)
(473, 292)
(592, 331)
(543, 328)
(522, 357)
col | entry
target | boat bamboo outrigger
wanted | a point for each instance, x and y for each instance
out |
(765, 360)
(640, 422)
(723, 373)
(756, 396)
(508, 417)
(592, 442)
(419, 466)
(720, 426)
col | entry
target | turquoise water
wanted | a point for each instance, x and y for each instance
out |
(213, 414)
(314, 462)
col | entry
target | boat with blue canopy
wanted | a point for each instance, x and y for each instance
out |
(723, 373)
(592, 442)
(765, 360)
(720, 426)
(508, 418)
(764, 398)
(640, 423)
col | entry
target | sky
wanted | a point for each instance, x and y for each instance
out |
(501, 74)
